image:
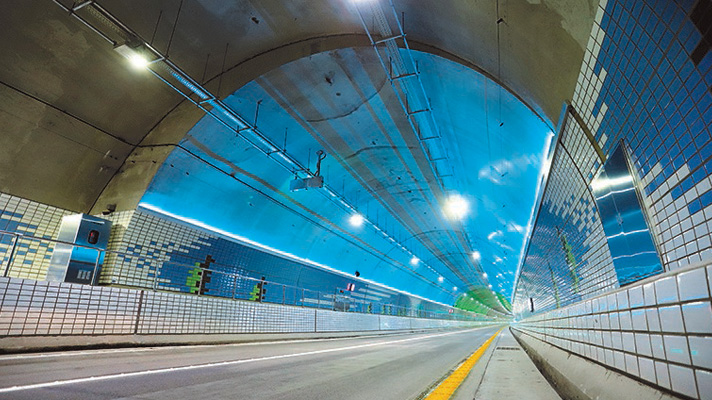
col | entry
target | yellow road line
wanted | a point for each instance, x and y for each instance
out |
(447, 387)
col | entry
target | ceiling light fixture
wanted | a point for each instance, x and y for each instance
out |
(414, 261)
(440, 279)
(476, 255)
(133, 54)
(356, 220)
(456, 207)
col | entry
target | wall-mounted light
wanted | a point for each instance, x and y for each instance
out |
(356, 220)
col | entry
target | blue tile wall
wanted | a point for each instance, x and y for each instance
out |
(646, 79)
(152, 251)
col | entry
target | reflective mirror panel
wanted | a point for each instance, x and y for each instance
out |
(634, 253)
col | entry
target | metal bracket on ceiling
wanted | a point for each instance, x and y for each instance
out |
(403, 76)
(110, 28)
(408, 91)
(388, 39)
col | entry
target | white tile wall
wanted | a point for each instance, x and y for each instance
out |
(29, 307)
(673, 352)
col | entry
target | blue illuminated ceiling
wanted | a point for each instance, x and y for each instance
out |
(341, 102)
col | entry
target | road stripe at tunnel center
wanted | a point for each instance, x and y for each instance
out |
(447, 387)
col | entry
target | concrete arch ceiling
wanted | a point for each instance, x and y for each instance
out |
(64, 88)
(340, 101)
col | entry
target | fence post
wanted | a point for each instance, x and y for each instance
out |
(12, 253)
(138, 311)
(155, 276)
(94, 278)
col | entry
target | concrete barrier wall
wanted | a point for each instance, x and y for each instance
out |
(658, 330)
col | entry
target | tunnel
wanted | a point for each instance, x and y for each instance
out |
(356, 199)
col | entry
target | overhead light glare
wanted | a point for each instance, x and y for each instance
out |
(456, 207)
(476, 255)
(484, 275)
(136, 59)
(440, 279)
(414, 261)
(356, 220)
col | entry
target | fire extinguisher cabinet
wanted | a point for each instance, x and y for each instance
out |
(81, 262)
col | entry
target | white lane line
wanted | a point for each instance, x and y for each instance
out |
(159, 348)
(210, 365)
(70, 353)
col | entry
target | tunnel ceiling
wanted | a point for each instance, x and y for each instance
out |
(341, 102)
(85, 130)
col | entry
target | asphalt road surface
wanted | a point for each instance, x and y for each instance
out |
(395, 367)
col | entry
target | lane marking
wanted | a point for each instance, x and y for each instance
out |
(196, 346)
(216, 364)
(447, 387)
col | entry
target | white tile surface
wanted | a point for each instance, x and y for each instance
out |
(692, 285)
(615, 322)
(661, 372)
(698, 317)
(635, 296)
(651, 315)
(616, 340)
(671, 319)
(639, 320)
(676, 349)
(642, 344)
(647, 369)
(631, 364)
(656, 344)
(625, 319)
(683, 380)
(622, 299)
(704, 383)
(666, 290)
(701, 351)
(628, 342)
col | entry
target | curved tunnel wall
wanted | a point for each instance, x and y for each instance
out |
(337, 101)
(646, 80)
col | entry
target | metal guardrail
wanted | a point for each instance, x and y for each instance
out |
(236, 286)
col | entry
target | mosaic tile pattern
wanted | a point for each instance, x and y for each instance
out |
(153, 252)
(31, 257)
(659, 330)
(646, 79)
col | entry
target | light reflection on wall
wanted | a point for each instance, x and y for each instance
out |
(632, 248)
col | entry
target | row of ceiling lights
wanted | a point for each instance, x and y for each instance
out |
(455, 207)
